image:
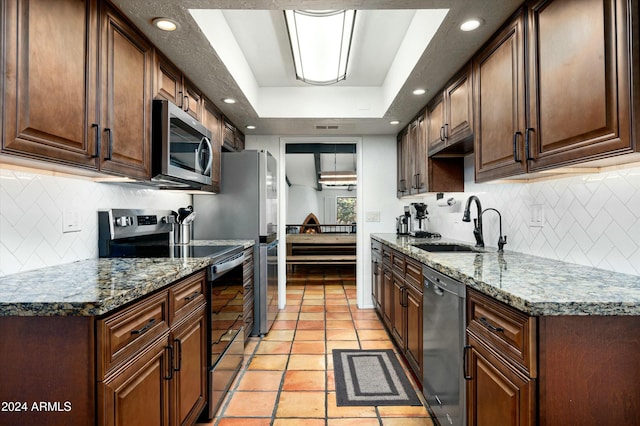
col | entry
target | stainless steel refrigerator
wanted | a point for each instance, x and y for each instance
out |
(247, 208)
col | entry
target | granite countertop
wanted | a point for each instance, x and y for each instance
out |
(95, 286)
(531, 284)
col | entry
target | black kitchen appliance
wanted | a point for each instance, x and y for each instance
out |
(141, 233)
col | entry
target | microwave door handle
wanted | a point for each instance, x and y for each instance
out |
(206, 169)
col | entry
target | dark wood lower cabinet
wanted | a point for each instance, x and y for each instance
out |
(497, 393)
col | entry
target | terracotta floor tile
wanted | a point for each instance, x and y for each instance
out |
(337, 308)
(365, 314)
(282, 335)
(336, 302)
(310, 325)
(301, 404)
(342, 344)
(312, 308)
(299, 380)
(341, 335)
(251, 404)
(313, 302)
(373, 335)
(308, 347)
(376, 344)
(306, 362)
(368, 324)
(297, 422)
(274, 348)
(260, 381)
(287, 316)
(407, 421)
(310, 335)
(403, 411)
(268, 362)
(353, 422)
(340, 324)
(338, 316)
(291, 308)
(284, 325)
(246, 421)
(352, 411)
(313, 316)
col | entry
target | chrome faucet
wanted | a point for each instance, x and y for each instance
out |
(477, 223)
(502, 239)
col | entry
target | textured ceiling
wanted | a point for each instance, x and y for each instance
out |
(189, 49)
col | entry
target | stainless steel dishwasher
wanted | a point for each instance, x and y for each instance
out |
(443, 333)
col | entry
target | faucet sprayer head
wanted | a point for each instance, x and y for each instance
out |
(467, 216)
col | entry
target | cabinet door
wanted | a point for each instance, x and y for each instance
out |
(579, 79)
(139, 394)
(414, 336)
(500, 104)
(399, 313)
(126, 98)
(420, 165)
(404, 155)
(387, 295)
(435, 124)
(50, 80)
(459, 108)
(497, 394)
(190, 371)
(168, 81)
(211, 118)
(192, 100)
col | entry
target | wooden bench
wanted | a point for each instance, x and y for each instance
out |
(321, 249)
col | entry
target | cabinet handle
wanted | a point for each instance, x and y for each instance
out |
(490, 326)
(170, 363)
(98, 140)
(181, 100)
(418, 186)
(110, 150)
(146, 327)
(526, 142)
(178, 343)
(187, 103)
(403, 185)
(446, 131)
(516, 157)
(442, 133)
(464, 363)
(192, 296)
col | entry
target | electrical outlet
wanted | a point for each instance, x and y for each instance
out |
(71, 221)
(372, 217)
(536, 219)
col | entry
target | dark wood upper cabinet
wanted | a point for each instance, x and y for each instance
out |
(51, 80)
(127, 60)
(171, 84)
(450, 116)
(579, 81)
(499, 97)
(212, 120)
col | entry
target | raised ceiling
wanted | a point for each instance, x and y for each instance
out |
(250, 60)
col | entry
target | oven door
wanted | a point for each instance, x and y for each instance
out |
(222, 374)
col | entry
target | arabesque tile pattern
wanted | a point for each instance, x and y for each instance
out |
(288, 375)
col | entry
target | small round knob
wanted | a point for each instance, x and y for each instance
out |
(124, 221)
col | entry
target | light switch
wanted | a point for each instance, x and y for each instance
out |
(372, 217)
(71, 221)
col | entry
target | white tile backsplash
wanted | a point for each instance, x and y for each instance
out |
(31, 216)
(591, 219)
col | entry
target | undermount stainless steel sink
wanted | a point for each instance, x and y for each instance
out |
(435, 248)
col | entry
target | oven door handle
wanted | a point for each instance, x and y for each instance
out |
(225, 266)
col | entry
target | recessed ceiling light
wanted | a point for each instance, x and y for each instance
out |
(165, 24)
(419, 92)
(470, 25)
(394, 122)
(229, 101)
(251, 127)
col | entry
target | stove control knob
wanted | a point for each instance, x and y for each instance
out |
(124, 221)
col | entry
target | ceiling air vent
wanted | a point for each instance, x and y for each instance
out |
(324, 127)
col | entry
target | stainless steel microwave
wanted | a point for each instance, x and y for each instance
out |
(182, 154)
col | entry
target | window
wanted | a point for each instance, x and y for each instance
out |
(345, 210)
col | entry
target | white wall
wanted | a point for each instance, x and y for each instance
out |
(31, 210)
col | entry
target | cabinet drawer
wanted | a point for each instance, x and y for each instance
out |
(398, 262)
(123, 334)
(186, 295)
(376, 249)
(413, 273)
(386, 255)
(511, 333)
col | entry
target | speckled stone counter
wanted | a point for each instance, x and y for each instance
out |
(95, 286)
(534, 285)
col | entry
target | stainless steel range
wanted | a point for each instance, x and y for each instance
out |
(150, 233)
